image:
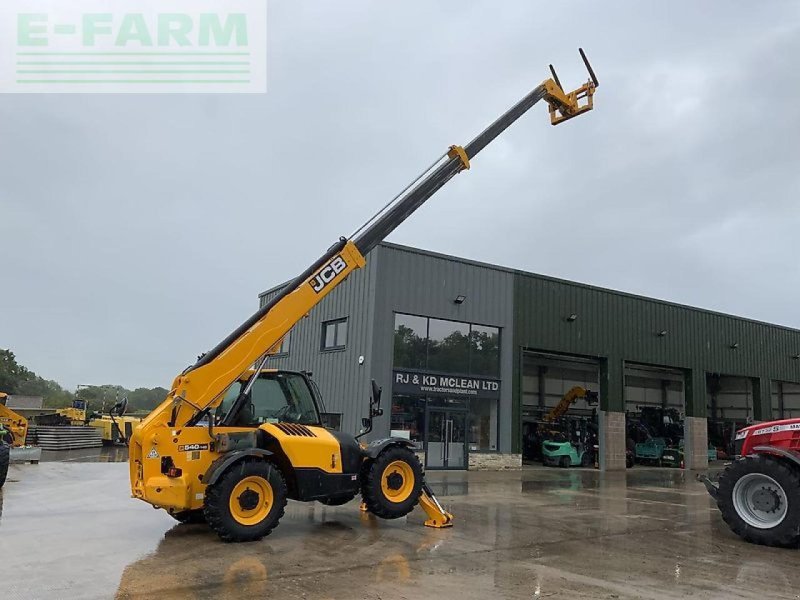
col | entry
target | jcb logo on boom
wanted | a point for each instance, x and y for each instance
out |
(327, 274)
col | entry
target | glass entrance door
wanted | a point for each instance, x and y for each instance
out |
(446, 439)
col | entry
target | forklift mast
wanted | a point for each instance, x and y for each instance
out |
(201, 386)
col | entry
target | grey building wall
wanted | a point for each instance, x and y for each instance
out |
(344, 383)
(404, 280)
(414, 282)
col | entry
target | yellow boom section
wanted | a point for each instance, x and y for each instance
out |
(202, 387)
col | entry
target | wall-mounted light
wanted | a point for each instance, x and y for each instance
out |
(734, 345)
(459, 299)
(662, 333)
(572, 318)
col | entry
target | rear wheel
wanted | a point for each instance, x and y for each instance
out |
(759, 498)
(247, 502)
(392, 483)
(564, 462)
(5, 451)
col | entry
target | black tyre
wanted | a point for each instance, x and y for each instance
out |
(587, 459)
(189, 516)
(247, 502)
(391, 484)
(759, 498)
(628, 461)
(5, 458)
(337, 500)
(564, 462)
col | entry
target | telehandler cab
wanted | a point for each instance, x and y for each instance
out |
(233, 440)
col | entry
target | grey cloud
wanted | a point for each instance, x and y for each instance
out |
(138, 230)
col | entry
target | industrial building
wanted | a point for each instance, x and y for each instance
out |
(471, 355)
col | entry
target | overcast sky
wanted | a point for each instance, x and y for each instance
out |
(138, 229)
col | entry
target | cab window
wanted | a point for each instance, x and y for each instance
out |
(274, 397)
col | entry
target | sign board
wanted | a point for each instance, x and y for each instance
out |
(442, 385)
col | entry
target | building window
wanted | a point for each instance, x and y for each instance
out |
(410, 342)
(446, 346)
(284, 346)
(334, 334)
(408, 418)
(483, 425)
(484, 351)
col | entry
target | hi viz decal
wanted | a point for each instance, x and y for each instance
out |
(327, 274)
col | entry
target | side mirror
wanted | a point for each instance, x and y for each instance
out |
(376, 394)
(119, 408)
(375, 401)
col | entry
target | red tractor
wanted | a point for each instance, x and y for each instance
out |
(758, 494)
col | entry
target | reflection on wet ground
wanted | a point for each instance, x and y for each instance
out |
(69, 530)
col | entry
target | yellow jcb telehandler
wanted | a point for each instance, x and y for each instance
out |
(233, 440)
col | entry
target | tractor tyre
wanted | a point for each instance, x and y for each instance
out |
(190, 517)
(5, 458)
(391, 484)
(247, 502)
(759, 498)
(337, 500)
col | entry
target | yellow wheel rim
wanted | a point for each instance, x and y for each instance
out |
(397, 481)
(251, 500)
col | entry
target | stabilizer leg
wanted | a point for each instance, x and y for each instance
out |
(438, 517)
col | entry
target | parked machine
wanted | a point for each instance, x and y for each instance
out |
(116, 428)
(574, 444)
(758, 493)
(15, 426)
(231, 442)
(73, 415)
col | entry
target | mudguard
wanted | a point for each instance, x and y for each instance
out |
(378, 446)
(219, 466)
(791, 455)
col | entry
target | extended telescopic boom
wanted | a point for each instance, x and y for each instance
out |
(201, 386)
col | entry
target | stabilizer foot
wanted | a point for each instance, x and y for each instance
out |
(438, 517)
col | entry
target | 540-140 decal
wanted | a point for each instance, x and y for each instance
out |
(192, 447)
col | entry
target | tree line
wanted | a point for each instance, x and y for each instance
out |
(17, 379)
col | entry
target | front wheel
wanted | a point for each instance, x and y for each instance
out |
(392, 483)
(247, 502)
(759, 498)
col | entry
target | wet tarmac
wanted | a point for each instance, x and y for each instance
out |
(70, 530)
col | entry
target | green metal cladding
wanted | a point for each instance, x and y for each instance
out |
(615, 328)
